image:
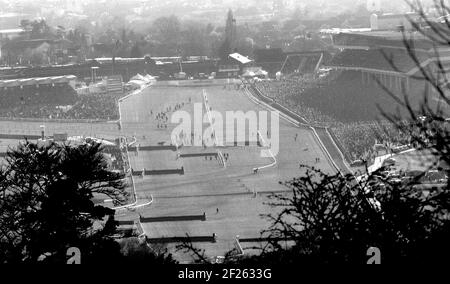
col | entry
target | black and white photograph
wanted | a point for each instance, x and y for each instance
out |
(224, 138)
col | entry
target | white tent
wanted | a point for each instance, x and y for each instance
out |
(136, 83)
(278, 75)
(149, 78)
(249, 74)
(138, 77)
(261, 73)
(139, 80)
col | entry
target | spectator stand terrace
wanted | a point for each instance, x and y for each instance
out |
(55, 99)
(347, 98)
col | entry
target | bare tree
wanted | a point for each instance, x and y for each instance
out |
(428, 125)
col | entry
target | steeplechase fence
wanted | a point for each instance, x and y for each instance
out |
(201, 217)
(158, 172)
(55, 120)
(197, 155)
(193, 239)
(155, 148)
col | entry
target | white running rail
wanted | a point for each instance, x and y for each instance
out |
(205, 102)
(132, 205)
(270, 152)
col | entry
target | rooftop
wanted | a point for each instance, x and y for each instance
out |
(12, 31)
(36, 81)
(241, 58)
(384, 34)
(395, 60)
(34, 43)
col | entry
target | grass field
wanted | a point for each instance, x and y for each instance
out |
(206, 185)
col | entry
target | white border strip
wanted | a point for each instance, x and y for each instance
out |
(205, 99)
(132, 205)
(239, 247)
(134, 187)
(339, 150)
(324, 149)
(270, 152)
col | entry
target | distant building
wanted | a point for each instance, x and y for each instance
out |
(240, 59)
(280, 6)
(233, 66)
(75, 6)
(275, 60)
(9, 34)
(11, 20)
(228, 69)
(39, 81)
(393, 21)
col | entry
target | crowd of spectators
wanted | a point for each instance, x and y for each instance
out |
(286, 91)
(56, 102)
(359, 138)
(343, 103)
(58, 94)
(349, 98)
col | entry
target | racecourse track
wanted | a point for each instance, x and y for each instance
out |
(232, 197)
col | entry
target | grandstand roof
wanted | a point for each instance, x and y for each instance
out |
(269, 55)
(339, 30)
(240, 58)
(106, 60)
(302, 62)
(387, 34)
(274, 60)
(36, 81)
(390, 38)
(12, 31)
(395, 60)
(23, 44)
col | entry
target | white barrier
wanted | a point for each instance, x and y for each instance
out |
(271, 154)
(145, 204)
(222, 159)
(132, 205)
(134, 187)
(265, 105)
(239, 247)
(324, 149)
(205, 103)
(339, 150)
(296, 123)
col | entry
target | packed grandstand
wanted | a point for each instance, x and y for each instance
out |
(352, 92)
(56, 102)
(55, 98)
(342, 102)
